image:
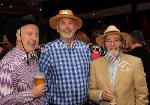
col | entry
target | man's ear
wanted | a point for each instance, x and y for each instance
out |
(124, 44)
(76, 27)
(57, 28)
(18, 37)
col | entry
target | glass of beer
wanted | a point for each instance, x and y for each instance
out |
(39, 78)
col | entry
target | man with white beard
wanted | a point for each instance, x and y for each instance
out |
(117, 78)
(65, 62)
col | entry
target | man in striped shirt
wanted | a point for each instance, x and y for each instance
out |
(17, 69)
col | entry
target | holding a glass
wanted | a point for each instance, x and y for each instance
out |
(39, 78)
(38, 90)
(109, 96)
(113, 91)
(114, 98)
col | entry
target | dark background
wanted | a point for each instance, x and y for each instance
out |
(94, 20)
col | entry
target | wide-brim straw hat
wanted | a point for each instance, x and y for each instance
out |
(65, 14)
(112, 30)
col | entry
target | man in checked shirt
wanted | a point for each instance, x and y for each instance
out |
(65, 63)
(17, 69)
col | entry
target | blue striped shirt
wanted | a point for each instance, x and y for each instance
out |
(66, 69)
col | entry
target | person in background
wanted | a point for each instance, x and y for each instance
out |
(82, 37)
(3, 46)
(138, 50)
(65, 62)
(2, 54)
(117, 78)
(126, 45)
(18, 68)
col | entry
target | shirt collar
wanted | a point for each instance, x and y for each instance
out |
(73, 43)
(23, 55)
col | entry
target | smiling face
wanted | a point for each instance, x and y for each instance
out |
(28, 39)
(66, 28)
(113, 43)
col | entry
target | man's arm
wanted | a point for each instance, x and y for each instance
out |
(8, 96)
(17, 98)
(140, 84)
(94, 93)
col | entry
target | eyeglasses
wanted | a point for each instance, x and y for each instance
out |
(108, 41)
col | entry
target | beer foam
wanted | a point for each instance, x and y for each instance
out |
(39, 76)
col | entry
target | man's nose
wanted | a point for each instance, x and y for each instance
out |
(67, 25)
(112, 42)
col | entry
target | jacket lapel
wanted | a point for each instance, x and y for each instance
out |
(106, 73)
(119, 73)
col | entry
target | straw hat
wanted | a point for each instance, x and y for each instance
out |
(65, 14)
(112, 30)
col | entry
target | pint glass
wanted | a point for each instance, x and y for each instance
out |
(39, 78)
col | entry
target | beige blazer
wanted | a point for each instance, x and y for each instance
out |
(130, 82)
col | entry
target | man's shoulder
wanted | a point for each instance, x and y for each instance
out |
(131, 58)
(48, 47)
(100, 60)
(81, 42)
(9, 57)
(53, 42)
(9, 61)
(83, 45)
(126, 57)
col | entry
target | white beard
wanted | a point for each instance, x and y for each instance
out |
(67, 34)
(114, 52)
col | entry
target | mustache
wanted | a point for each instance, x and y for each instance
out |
(66, 30)
(32, 43)
(115, 48)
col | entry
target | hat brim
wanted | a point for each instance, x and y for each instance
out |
(100, 38)
(3, 43)
(53, 20)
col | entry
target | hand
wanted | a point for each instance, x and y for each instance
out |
(107, 96)
(38, 90)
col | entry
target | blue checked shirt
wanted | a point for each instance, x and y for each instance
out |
(66, 69)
